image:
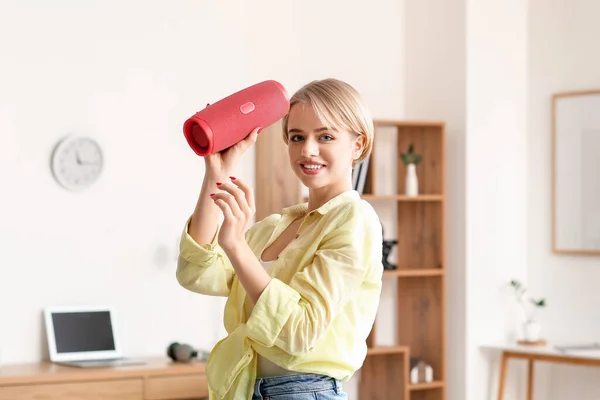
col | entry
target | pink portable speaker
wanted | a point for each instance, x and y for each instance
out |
(226, 122)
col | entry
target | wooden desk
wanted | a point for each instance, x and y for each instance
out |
(158, 379)
(540, 353)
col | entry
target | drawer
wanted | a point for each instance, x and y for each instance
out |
(130, 389)
(191, 386)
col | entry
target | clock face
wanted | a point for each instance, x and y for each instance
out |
(77, 162)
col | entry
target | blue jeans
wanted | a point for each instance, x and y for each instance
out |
(298, 387)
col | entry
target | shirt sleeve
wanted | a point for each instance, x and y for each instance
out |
(293, 317)
(205, 268)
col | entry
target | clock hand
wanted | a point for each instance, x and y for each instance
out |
(81, 162)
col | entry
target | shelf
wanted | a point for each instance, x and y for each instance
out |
(414, 272)
(427, 386)
(420, 235)
(418, 225)
(382, 350)
(401, 197)
(420, 307)
(383, 377)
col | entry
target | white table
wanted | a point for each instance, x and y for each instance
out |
(540, 353)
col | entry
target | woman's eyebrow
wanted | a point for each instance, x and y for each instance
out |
(295, 130)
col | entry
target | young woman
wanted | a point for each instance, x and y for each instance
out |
(302, 286)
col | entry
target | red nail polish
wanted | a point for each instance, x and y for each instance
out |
(233, 178)
(212, 194)
(259, 131)
(219, 183)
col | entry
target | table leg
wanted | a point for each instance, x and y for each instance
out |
(530, 380)
(503, 364)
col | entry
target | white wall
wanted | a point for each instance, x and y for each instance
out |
(128, 74)
(463, 68)
(563, 57)
(510, 75)
(350, 40)
(496, 159)
(435, 90)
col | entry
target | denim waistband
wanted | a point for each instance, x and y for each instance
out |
(294, 383)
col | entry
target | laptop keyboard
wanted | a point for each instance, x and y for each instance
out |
(91, 363)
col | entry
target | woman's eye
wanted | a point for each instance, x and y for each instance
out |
(327, 137)
(295, 138)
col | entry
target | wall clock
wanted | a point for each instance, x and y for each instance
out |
(76, 162)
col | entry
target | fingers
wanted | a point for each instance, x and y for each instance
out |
(248, 193)
(230, 201)
(227, 213)
(240, 198)
(253, 135)
(249, 140)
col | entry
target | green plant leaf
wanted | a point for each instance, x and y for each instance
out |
(539, 303)
(410, 157)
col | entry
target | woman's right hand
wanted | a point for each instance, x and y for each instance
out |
(220, 165)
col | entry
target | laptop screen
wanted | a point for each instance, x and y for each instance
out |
(87, 331)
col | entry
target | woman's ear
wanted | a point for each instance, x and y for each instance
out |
(359, 144)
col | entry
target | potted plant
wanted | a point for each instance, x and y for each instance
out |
(529, 306)
(410, 159)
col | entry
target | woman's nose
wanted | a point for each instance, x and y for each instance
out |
(310, 148)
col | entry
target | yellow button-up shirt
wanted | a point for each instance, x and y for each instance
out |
(319, 307)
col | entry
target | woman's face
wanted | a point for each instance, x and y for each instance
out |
(322, 158)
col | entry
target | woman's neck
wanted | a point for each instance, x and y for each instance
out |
(320, 196)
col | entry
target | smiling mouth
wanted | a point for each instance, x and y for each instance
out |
(312, 167)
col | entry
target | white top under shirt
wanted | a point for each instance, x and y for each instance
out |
(266, 367)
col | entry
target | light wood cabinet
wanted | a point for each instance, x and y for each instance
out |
(175, 387)
(129, 389)
(420, 276)
(158, 379)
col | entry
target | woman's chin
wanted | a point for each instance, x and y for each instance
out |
(310, 182)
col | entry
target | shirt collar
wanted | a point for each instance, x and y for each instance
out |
(301, 209)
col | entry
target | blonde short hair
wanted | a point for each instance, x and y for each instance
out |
(338, 105)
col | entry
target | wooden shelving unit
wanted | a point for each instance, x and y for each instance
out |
(420, 258)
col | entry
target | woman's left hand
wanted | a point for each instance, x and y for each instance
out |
(236, 201)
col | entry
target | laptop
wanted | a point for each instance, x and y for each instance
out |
(84, 337)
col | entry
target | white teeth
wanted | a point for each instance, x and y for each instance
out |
(312, 166)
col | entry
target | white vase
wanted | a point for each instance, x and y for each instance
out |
(532, 331)
(411, 187)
